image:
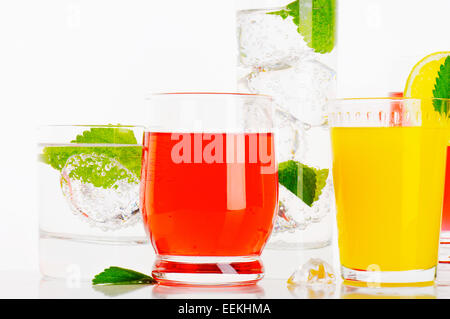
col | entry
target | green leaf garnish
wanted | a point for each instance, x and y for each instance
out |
(442, 88)
(101, 170)
(122, 276)
(94, 172)
(315, 19)
(304, 181)
(107, 135)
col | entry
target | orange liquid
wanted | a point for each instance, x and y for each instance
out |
(207, 209)
(389, 184)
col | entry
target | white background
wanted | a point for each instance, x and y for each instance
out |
(94, 61)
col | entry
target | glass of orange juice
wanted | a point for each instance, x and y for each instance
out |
(388, 168)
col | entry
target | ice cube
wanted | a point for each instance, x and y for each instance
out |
(113, 202)
(269, 41)
(323, 206)
(314, 272)
(300, 142)
(285, 222)
(293, 213)
(290, 137)
(302, 90)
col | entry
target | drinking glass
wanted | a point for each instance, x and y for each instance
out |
(209, 186)
(388, 168)
(287, 49)
(89, 215)
(444, 249)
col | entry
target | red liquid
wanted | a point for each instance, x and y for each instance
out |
(446, 210)
(208, 209)
(396, 112)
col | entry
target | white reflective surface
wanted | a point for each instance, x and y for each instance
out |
(23, 284)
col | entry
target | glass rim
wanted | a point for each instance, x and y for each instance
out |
(388, 112)
(90, 125)
(237, 94)
(67, 134)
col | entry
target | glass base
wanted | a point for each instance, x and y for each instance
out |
(350, 292)
(207, 271)
(79, 258)
(357, 277)
(445, 237)
(444, 252)
(285, 245)
(316, 235)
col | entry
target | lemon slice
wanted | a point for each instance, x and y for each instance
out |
(420, 84)
(421, 80)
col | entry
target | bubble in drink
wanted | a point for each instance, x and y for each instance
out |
(108, 208)
(267, 40)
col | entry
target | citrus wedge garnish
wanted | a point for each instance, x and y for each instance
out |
(421, 84)
(421, 80)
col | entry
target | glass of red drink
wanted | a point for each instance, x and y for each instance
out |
(444, 248)
(445, 232)
(209, 186)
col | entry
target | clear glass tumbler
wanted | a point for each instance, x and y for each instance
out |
(388, 166)
(444, 249)
(209, 186)
(287, 49)
(89, 216)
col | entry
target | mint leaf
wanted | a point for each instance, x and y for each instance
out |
(100, 170)
(442, 88)
(291, 10)
(317, 25)
(304, 181)
(106, 135)
(88, 171)
(122, 276)
(294, 9)
(321, 181)
(316, 21)
(282, 13)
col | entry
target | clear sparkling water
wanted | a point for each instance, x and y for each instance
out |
(302, 90)
(268, 41)
(290, 136)
(83, 227)
(109, 207)
(274, 59)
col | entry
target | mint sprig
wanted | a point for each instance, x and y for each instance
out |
(304, 181)
(122, 276)
(316, 21)
(442, 88)
(91, 172)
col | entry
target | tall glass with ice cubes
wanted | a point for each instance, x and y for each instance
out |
(287, 49)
